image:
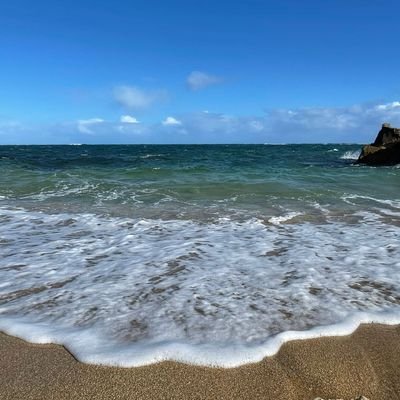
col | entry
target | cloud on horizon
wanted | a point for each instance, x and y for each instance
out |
(354, 124)
(171, 121)
(86, 125)
(128, 119)
(198, 80)
(134, 98)
(343, 124)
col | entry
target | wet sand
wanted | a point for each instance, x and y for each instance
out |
(364, 363)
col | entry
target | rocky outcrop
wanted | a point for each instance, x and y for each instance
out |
(385, 150)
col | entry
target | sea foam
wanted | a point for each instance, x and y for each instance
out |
(128, 292)
(92, 349)
(351, 155)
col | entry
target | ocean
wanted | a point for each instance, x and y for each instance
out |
(206, 254)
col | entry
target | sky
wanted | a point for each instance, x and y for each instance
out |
(249, 71)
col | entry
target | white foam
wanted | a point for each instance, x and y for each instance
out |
(90, 349)
(151, 155)
(351, 155)
(283, 218)
(353, 198)
(121, 291)
(63, 189)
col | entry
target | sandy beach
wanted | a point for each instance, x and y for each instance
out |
(199, 200)
(364, 363)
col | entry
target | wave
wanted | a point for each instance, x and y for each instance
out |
(129, 292)
(283, 218)
(98, 351)
(351, 155)
(354, 198)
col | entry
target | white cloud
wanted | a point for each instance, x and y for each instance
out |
(171, 121)
(127, 119)
(388, 106)
(85, 125)
(354, 124)
(339, 119)
(132, 97)
(129, 130)
(199, 80)
(256, 125)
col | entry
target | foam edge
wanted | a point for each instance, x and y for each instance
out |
(87, 348)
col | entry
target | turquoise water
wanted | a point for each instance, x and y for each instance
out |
(190, 181)
(134, 254)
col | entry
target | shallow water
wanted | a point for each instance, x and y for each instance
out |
(133, 254)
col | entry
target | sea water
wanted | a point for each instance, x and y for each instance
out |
(211, 255)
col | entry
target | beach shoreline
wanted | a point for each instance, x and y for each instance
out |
(363, 363)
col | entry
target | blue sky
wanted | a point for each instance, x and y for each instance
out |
(197, 71)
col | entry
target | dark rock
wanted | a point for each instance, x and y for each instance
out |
(387, 135)
(385, 150)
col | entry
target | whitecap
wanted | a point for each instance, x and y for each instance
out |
(351, 155)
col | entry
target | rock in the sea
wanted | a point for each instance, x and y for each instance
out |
(385, 150)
